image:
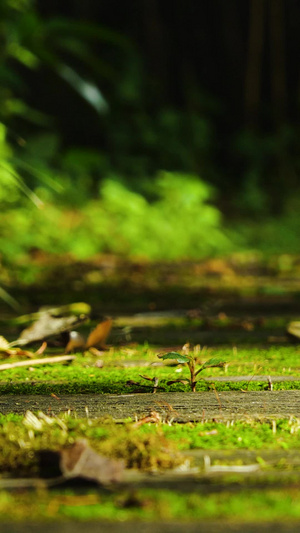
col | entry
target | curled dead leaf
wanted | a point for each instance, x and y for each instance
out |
(76, 342)
(98, 336)
(79, 460)
(293, 329)
(4, 344)
(42, 348)
(48, 326)
(7, 350)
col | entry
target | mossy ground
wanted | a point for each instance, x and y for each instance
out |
(239, 311)
(150, 505)
(148, 448)
(85, 375)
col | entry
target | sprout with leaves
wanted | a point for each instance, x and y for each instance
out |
(191, 362)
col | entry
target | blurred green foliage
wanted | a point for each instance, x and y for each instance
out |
(108, 146)
(178, 221)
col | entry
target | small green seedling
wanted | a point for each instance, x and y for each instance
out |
(191, 362)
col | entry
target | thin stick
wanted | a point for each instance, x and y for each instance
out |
(216, 395)
(44, 361)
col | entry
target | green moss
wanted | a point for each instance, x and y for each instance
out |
(20, 439)
(146, 446)
(152, 447)
(84, 376)
(242, 342)
(237, 435)
(246, 505)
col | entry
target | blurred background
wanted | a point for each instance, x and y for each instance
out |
(155, 130)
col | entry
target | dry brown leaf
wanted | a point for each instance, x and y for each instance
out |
(186, 348)
(293, 329)
(4, 344)
(54, 396)
(76, 342)
(79, 460)
(42, 348)
(48, 326)
(98, 336)
(19, 351)
(7, 351)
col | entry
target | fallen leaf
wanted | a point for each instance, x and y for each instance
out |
(147, 377)
(79, 460)
(293, 329)
(42, 348)
(186, 348)
(183, 381)
(98, 336)
(76, 342)
(247, 325)
(47, 326)
(6, 350)
(54, 396)
(4, 344)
